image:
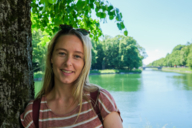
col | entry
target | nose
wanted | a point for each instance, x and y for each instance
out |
(68, 61)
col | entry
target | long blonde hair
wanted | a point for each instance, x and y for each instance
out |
(82, 83)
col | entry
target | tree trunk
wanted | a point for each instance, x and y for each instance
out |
(16, 76)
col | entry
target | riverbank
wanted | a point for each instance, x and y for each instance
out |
(114, 71)
(179, 70)
(38, 75)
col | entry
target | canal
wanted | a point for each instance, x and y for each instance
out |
(152, 99)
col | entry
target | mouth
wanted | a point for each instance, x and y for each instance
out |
(65, 71)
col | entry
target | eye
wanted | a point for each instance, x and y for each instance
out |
(62, 53)
(77, 56)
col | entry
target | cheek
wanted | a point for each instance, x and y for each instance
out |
(80, 66)
(57, 63)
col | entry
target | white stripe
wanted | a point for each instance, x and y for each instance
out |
(104, 106)
(30, 103)
(108, 99)
(27, 113)
(46, 110)
(63, 118)
(99, 126)
(22, 119)
(87, 94)
(43, 102)
(84, 122)
(85, 102)
(29, 124)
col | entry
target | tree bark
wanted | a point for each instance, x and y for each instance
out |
(16, 76)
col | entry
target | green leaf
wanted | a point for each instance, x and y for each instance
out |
(52, 1)
(45, 2)
(98, 14)
(111, 17)
(91, 5)
(122, 25)
(102, 15)
(119, 26)
(92, 1)
(96, 9)
(97, 24)
(80, 4)
(111, 13)
(110, 8)
(117, 10)
(125, 32)
(121, 15)
(118, 17)
(104, 8)
(57, 21)
(97, 4)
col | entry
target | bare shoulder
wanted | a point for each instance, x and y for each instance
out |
(113, 120)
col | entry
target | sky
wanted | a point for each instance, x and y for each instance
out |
(156, 25)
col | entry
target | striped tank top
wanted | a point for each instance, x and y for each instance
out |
(87, 117)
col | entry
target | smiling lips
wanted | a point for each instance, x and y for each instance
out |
(65, 71)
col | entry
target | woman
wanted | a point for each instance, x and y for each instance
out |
(65, 96)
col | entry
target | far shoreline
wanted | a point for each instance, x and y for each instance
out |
(39, 75)
(178, 70)
(115, 73)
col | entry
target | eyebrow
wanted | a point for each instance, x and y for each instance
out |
(60, 49)
(66, 50)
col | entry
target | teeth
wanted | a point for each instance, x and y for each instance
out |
(67, 71)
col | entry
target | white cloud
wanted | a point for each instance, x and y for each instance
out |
(154, 55)
(156, 50)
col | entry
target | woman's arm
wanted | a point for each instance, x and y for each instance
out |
(112, 120)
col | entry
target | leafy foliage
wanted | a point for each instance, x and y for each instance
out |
(178, 47)
(39, 49)
(119, 52)
(47, 15)
(180, 56)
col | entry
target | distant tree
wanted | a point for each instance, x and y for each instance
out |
(39, 49)
(178, 47)
(119, 52)
(180, 56)
(183, 55)
(189, 57)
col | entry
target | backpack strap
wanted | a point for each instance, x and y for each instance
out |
(36, 108)
(94, 102)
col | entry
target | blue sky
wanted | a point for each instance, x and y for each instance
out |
(157, 25)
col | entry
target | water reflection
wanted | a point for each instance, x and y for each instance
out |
(116, 82)
(183, 81)
(151, 99)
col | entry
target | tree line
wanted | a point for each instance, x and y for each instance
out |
(119, 52)
(181, 55)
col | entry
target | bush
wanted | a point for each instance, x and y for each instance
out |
(38, 74)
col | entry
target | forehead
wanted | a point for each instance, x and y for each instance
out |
(69, 42)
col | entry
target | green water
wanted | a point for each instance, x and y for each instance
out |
(152, 99)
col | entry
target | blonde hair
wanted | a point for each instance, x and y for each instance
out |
(82, 83)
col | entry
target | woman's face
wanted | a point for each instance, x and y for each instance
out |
(67, 59)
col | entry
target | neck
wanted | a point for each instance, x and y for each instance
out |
(62, 92)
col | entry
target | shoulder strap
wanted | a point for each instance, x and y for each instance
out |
(36, 107)
(94, 102)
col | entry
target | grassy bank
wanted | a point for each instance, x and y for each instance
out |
(180, 70)
(106, 71)
(113, 71)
